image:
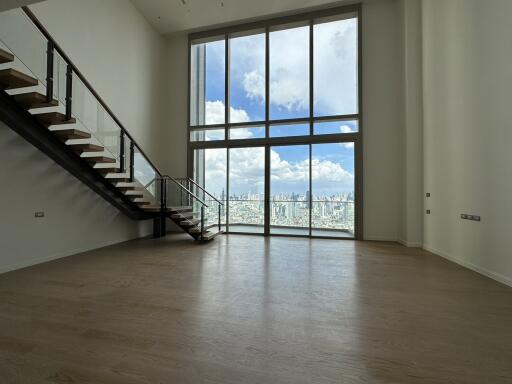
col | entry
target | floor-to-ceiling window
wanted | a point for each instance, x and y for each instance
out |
(275, 123)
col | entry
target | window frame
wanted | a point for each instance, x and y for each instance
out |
(266, 27)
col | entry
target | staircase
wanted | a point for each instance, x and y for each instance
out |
(59, 112)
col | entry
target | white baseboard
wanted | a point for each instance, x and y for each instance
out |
(410, 244)
(380, 238)
(483, 271)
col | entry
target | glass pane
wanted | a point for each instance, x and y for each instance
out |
(336, 127)
(207, 85)
(93, 118)
(247, 78)
(207, 135)
(246, 190)
(335, 68)
(333, 190)
(19, 35)
(289, 73)
(247, 133)
(210, 172)
(289, 190)
(281, 130)
(143, 171)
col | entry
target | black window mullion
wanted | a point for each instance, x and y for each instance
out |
(226, 86)
(311, 78)
(267, 82)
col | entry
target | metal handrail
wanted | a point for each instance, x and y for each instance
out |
(205, 191)
(50, 39)
(185, 189)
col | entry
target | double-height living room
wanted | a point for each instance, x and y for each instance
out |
(239, 191)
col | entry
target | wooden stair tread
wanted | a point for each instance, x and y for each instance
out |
(11, 78)
(87, 147)
(99, 159)
(32, 100)
(209, 235)
(6, 57)
(71, 134)
(153, 208)
(119, 177)
(107, 171)
(53, 118)
(128, 185)
(182, 216)
(134, 192)
(189, 222)
(180, 209)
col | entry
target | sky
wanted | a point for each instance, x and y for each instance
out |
(335, 93)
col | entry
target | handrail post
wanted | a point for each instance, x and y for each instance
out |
(190, 189)
(219, 216)
(163, 194)
(121, 152)
(49, 70)
(132, 158)
(202, 222)
(69, 91)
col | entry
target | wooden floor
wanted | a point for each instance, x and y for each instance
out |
(246, 309)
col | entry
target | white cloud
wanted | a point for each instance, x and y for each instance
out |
(254, 85)
(347, 129)
(335, 69)
(215, 113)
(248, 167)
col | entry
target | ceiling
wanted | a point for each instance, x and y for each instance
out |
(171, 16)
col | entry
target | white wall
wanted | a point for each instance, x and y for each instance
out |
(383, 118)
(124, 59)
(121, 55)
(411, 232)
(76, 218)
(177, 107)
(467, 117)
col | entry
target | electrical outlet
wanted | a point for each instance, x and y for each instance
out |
(428, 211)
(428, 194)
(39, 215)
(465, 216)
